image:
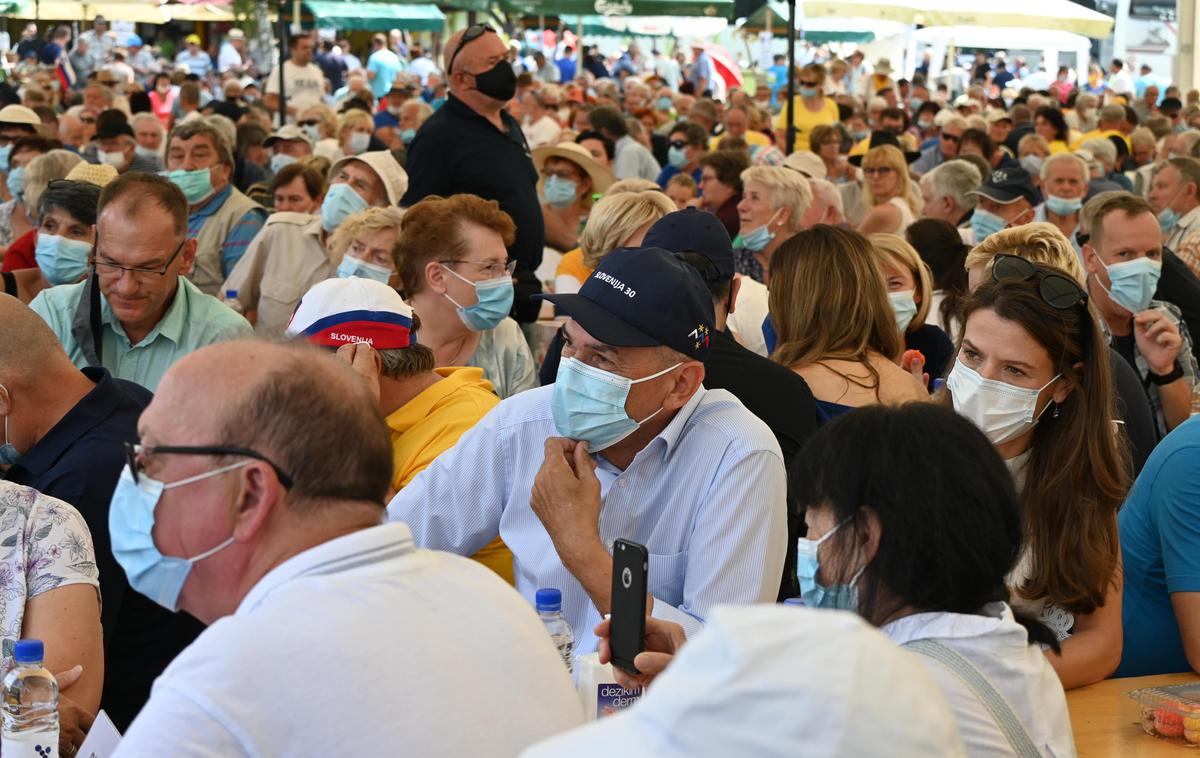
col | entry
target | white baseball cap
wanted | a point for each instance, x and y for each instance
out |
(383, 163)
(807, 163)
(19, 114)
(774, 680)
(339, 312)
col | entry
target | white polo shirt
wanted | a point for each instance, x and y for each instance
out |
(364, 645)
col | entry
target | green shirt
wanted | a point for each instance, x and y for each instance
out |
(192, 321)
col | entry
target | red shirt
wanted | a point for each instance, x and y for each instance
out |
(19, 254)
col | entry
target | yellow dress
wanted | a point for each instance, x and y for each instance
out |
(805, 119)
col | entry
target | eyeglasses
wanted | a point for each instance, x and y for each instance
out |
(473, 33)
(877, 170)
(88, 119)
(678, 144)
(951, 137)
(309, 122)
(493, 270)
(1057, 291)
(108, 269)
(135, 454)
(808, 84)
(566, 175)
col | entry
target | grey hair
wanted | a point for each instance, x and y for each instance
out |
(1080, 163)
(202, 126)
(828, 194)
(1102, 149)
(956, 180)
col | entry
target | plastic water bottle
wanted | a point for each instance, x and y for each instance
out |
(549, 608)
(30, 705)
(231, 300)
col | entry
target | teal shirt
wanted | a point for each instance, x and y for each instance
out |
(192, 321)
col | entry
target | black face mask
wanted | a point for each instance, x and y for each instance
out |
(499, 82)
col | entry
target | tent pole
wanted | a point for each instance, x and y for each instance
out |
(790, 142)
(283, 38)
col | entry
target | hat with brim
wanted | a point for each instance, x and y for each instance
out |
(879, 139)
(383, 163)
(1008, 185)
(807, 163)
(19, 114)
(99, 174)
(287, 133)
(601, 177)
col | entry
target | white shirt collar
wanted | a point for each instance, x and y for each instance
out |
(993, 618)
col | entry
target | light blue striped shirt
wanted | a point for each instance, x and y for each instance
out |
(706, 498)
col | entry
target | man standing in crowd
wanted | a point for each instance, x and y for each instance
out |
(196, 60)
(472, 145)
(68, 427)
(612, 450)
(287, 552)
(138, 314)
(383, 66)
(332, 65)
(221, 219)
(233, 49)
(304, 84)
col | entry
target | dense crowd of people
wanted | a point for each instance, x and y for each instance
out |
(343, 380)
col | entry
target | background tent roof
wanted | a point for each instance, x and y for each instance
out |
(1052, 15)
(710, 8)
(357, 15)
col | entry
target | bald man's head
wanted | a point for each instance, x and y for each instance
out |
(302, 408)
(29, 351)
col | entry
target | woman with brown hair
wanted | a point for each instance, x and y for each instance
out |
(1033, 374)
(835, 325)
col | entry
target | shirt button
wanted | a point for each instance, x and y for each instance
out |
(623, 483)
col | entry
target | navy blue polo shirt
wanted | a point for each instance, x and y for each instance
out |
(79, 461)
(457, 150)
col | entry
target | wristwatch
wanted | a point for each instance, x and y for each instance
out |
(1161, 379)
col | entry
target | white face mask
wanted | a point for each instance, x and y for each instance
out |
(1002, 411)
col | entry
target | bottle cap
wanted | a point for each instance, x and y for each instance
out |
(29, 651)
(548, 600)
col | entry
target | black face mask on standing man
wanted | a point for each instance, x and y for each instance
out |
(499, 82)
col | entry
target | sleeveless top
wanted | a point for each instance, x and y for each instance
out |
(906, 215)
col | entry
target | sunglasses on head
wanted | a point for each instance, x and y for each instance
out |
(473, 33)
(1056, 290)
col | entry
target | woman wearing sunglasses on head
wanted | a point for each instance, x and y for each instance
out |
(1033, 374)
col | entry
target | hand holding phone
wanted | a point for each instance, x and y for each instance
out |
(631, 566)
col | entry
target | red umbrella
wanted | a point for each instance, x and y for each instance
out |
(723, 62)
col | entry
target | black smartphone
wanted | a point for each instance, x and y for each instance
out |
(631, 566)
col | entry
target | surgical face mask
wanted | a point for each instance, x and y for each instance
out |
(5, 154)
(196, 185)
(61, 259)
(499, 82)
(313, 132)
(985, 224)
(131, 528)
(1002, 411)
(1166, 220)
(839, 597)
(756, 240)
(146, 152)
(341, 202)
(589, 404)
(860, 136)
(358, 143)
(1133, 282)
(279, 160)
(8, 451)
(677, 157)
(1032, 164)
(363, 270)
(16, 182)
(663, 104)
(1063, 206)
(905, 308)
(560, 192)
(115, 159)
(807, 91)
(925, 124)
(407, 135)
(495, 299)
(915, 104)
(394, 110)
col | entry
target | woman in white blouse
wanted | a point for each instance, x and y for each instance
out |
(50, 590)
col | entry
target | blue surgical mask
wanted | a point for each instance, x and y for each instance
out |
(840, 597)
(16, 182)
(925, 124)
(312, 131)
(915, 104)
(1166, 220)
(5, 154)
(756, 240)
(341, 202)
(61, 259)
(358, 143)
(8, 451)
(807, 91)
(196, 185)
(1032, 163)
(1133, 282)
(677, 157)
(985, 224)
(860, 136)
(131, 529)
(663, 104)
(905, 307)
(495, 299)
(407, 135)
(560, 193)
(353, 267)
(279, 160)
(589, 404)
(1063, 206)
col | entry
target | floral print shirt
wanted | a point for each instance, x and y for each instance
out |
(44, 544)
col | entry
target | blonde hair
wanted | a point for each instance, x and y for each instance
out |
(630, 185)
(829, 301)
(327, 119)
(1033, 142)
(366, 222)
(900, 254)
(789, 189)
(817, 70)
(351, 119)
(1040, 242)
(616, 217)
(887, 155)
(44, 169)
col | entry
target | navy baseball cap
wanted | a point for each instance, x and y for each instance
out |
(1007, 185)
(643, 297)
(692, 230)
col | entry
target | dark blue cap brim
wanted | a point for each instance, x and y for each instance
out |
(600, 323)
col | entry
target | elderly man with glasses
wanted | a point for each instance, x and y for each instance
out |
(137, 313)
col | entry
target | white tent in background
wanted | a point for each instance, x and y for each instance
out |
(1049, 15)
(1050, 43)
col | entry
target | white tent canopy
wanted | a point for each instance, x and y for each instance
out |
(1050, 43)
(1049, 15)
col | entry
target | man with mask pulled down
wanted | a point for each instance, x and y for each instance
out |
(474, 146)
(627, 443)
(268, 286)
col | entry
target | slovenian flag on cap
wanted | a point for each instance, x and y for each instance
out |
(382, 330)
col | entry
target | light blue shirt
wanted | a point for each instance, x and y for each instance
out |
(200, 64)
(706, 498)
(192, 321)
(387, 67)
